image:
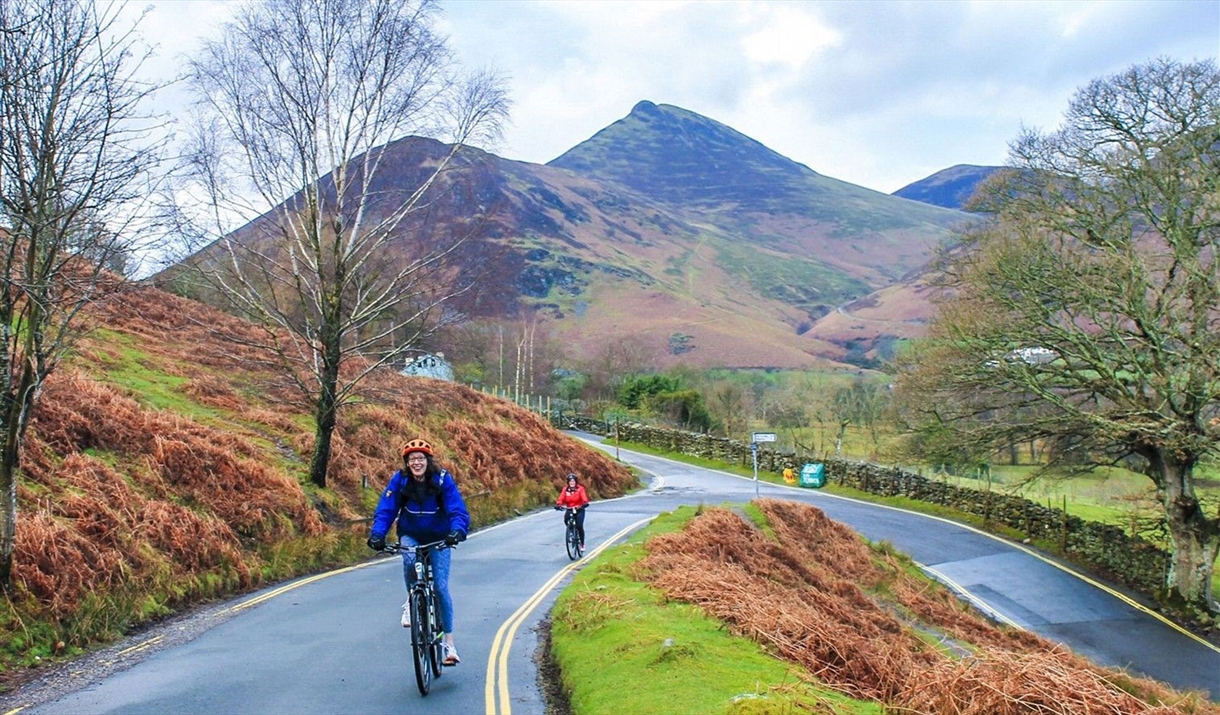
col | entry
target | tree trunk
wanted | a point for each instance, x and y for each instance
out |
(1190, 569)
(17, 404)
(8, 518)
(839, 438)
(1196, 539)
(325, 427)
(325, 419)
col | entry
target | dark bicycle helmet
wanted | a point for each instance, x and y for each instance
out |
(572, 476)
(416, 445)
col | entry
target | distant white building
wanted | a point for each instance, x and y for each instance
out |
(430, 365)
(1029, 356)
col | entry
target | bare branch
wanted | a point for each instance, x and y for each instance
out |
(316, 112)
(1087, 314)
(76, 161)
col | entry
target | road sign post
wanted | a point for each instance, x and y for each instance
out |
(754, 454)
(754, 440)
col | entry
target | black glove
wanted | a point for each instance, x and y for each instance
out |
(454, 538)
(376, 542)
(558, 508)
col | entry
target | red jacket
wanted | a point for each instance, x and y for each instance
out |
(577, 497)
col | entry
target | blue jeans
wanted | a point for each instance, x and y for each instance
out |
(440, 573)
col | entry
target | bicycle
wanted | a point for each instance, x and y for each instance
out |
(571, 536)
(423, 603)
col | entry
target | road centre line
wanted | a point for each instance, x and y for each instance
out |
(140, 646)
(497, 659)
(1031, 552)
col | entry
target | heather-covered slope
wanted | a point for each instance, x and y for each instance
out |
(666, 225)
(164, 466)
(697, 165)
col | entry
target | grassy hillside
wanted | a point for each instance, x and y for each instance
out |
(165, 467)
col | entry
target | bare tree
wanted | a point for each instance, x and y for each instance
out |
(76, 156)
(1086, 316)
(863, 403)
(728, 406)
(308, 111)
(615, 361)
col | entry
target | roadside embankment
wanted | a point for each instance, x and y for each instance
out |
(1103, 549)
(847, 627)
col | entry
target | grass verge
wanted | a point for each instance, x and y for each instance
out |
(622, 647)
(649, 627)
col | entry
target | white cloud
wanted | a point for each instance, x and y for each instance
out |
(879, 93)
(790, 36)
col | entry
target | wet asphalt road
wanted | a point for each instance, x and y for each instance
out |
(332, 643)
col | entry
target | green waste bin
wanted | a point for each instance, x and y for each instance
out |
(813, 475)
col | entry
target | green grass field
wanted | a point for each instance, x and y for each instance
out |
(1110, 495)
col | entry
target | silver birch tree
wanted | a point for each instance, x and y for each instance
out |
(315, 227)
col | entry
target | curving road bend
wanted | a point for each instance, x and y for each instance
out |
(332, 644)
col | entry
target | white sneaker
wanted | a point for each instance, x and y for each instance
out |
(450, 654)
(406, 614)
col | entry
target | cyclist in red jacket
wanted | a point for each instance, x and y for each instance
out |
(575, 496)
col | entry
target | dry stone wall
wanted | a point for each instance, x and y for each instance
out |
(1104, 549)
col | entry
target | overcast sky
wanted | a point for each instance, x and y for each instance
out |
(879, 93)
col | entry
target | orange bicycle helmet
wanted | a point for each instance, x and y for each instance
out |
(416, 445)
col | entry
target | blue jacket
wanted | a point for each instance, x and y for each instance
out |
(429, 520)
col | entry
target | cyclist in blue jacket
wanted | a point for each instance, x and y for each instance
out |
(427, 505)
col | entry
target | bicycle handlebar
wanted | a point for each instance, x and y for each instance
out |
(400, 547)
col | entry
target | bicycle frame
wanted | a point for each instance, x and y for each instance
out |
(571, 538)
(424, 604)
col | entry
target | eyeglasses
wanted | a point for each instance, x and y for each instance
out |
(420, 458)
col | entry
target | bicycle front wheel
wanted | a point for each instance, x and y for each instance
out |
(421, 645)
(573, 543)
(435, 657)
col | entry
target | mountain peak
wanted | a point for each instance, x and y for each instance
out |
(950, 188)
(679, 156)
(644, 107)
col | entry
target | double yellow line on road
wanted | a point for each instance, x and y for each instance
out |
(497, 661)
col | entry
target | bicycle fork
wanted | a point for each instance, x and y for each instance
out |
(423, 577)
